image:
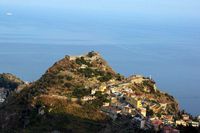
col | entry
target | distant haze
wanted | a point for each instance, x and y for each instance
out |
(157, 37)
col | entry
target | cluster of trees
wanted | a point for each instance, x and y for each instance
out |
(106, 77)
(82, 60)
(81, 92)
(149, 84)
(89, 73)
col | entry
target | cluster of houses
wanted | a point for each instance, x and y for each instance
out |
(185, 121)
(123, 100)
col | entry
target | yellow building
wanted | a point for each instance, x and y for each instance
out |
(135, 102)
(181, 122)
(138, 103)
(143, 111)
(103, 87)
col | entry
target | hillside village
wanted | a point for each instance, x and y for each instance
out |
(86, 83)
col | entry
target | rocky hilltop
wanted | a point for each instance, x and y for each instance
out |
(84, 94)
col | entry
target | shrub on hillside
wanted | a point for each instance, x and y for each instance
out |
(81, 92)
(105, 77)
(82, 61)
(87, 72)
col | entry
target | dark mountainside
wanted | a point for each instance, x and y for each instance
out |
(8, 84)
(9, 81)
(55, 101)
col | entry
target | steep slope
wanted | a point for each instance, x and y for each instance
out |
(53, 102)
(63, 99)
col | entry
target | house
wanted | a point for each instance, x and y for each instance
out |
(128, 90)
(142, 124)
(88, 98)
(195, 124)
(186, 117)
(181, 122)
(103, 87)
(113, 101)
(143, 111)
(198, 118)
(106, 104)
(167, 117)
(163, 105)
(156, 124)
(127, 109)
(147, 89)
(83, 66)
(135, 102)
(93, 91)
(115, 89)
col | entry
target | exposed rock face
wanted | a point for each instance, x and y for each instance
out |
(53, 103)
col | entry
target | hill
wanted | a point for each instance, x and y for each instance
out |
(8, 84)
(73, 94)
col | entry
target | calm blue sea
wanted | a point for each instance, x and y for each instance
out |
(168, 50)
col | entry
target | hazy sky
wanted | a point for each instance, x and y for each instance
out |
(157, 8)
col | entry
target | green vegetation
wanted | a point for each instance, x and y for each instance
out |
(98, 102)
(87, 72)
(81, 92)
(69, 78)
(148, 83)
(5, 83)
(9, 81)
(105, 77)
(67, 85)
(82, 61)
(119, 77)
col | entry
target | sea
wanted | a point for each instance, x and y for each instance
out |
(168, 50)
